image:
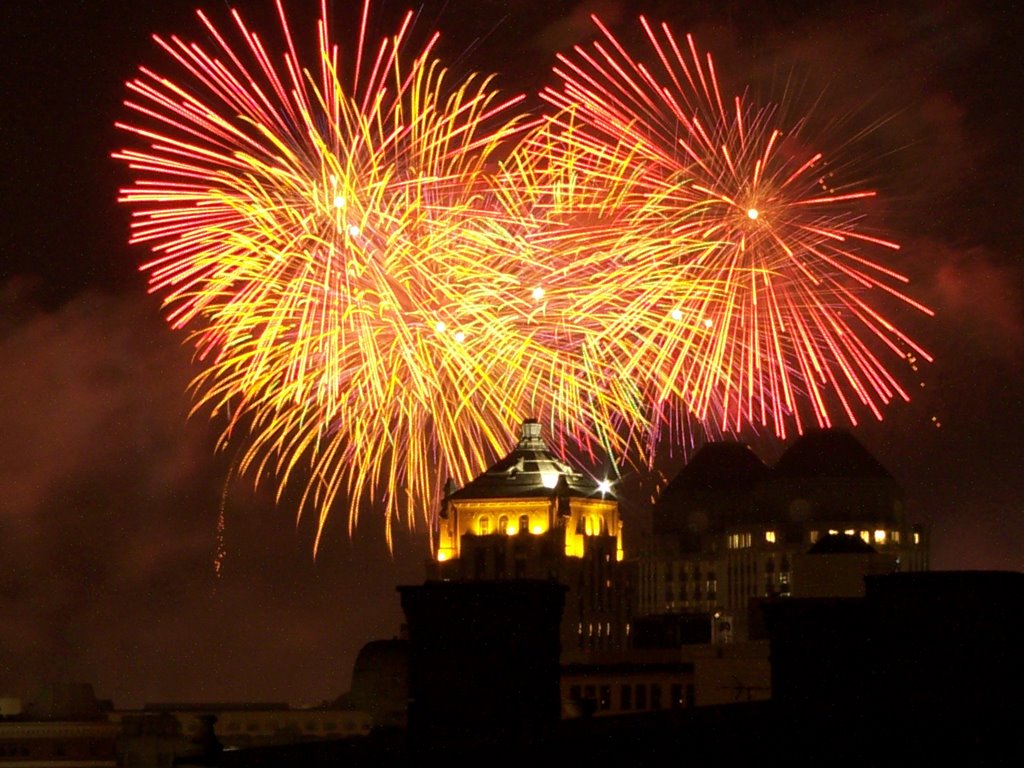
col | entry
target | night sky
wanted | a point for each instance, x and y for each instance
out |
(110, 495)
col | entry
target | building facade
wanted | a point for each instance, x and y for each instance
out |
(533, 516)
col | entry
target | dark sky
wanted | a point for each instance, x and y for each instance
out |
(110, 495)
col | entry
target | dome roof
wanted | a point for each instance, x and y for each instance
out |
(829, 453)
(712, 490)
(529, 469)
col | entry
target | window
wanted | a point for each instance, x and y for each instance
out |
(625, 697)
(605, 697)
(879, 537)
(503, 524)
(524, 523)
(483, 526)
(655, 696)
(769, 536)
(641, 696)
(677, 696)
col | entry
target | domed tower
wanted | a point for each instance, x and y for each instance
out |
(533, 516)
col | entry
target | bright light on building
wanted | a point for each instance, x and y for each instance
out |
(604, 486)
(880, 537)
(536, 529)
(769, 536)
(442, 556)
(549, 479)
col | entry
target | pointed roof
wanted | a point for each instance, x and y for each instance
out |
(716, 483)
(829, 453)
(530, 469)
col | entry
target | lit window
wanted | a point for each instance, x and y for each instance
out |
(917, 537)
(484, 525)
(866, 536)
(503, 526)
(850, 532)
(769, 536)
(814, 536)
(524, 523)
(880, 537)
(895, 537)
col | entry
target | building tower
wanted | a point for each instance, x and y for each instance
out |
(533, 516)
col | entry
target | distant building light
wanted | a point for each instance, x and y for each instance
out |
(549, 479)
(537, 529)
(880, 537)
(769, 536)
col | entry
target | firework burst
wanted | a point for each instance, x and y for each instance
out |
(323, 237)
(797, 334)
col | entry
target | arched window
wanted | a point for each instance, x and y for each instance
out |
(503, 524)
(483, 525)
(524, 523)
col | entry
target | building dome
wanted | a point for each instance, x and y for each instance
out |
(530, 469)
(827, 476)
(830, 453)
(712, 491)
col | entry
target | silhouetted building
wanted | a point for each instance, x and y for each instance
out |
(729, 531)
(63, 725)
(483, 661)
(926, 664)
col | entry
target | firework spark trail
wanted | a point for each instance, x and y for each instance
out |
(794, 337)
(369, 318)
(322, 239)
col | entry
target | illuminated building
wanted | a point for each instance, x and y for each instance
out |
(532, 516)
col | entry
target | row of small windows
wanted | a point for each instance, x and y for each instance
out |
(592, 525)
(878, 536)
(639, 696)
